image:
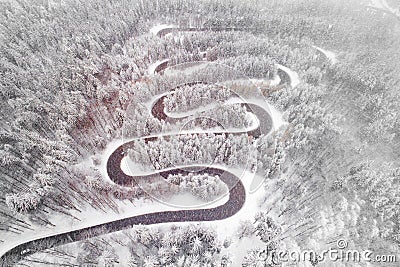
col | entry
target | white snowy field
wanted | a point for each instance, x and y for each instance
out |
(157, 28)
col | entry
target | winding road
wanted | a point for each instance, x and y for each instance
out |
(237, 191)
(237, 194)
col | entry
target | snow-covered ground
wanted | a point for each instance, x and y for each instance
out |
(90, 217)
(294, 77)
(152, 67)
(156, 29)
(329, 54)
(189, 68)
(274, 82)
(277, 117)
(228, 228)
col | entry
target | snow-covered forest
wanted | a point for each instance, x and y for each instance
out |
(181, 150)
(285, 112)
(191, 97)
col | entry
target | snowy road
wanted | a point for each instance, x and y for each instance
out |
(237, 192)
(331, 56)
(237, 195)
(293, 76)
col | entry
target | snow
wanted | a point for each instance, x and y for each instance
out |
(329, 54)
(240, 247)
(274, 82)
(150, 103)
(152, 67)
(294, 77)
(277, 118)
(128, 167)
(255, 121)
(228, 227)
(183, 114)
(90, 216)
(132, 168)
(156, 29)
(181, 200)
(276, 115)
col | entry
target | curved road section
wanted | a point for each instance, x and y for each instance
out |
(237, 195)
